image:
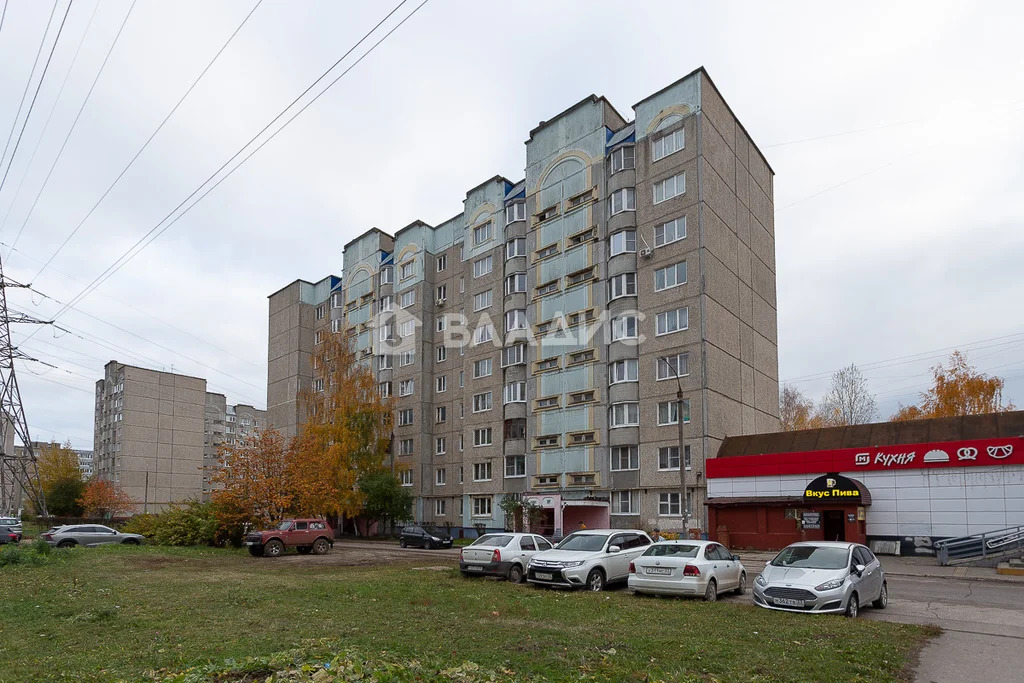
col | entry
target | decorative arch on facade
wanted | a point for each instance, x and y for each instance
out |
(667, 116)
(407, 250)
(478, 215)
(574, 155)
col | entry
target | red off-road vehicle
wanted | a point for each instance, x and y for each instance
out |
(306, 535)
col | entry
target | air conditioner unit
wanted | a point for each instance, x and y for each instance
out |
(367, 352)
(440, 303)
(645, 253)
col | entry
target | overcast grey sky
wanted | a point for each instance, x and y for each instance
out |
(893, 131)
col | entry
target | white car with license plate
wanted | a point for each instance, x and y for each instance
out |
(687, 568)
(504, 555)
(822, 577)
(589, 558)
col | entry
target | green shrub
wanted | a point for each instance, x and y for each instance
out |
(41, 547)
(192, 523)
(144, 525)
(32, 555)
(11, 554)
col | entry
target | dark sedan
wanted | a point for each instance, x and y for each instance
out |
(9, 535)
(419, 536)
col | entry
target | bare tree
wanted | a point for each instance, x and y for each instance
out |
(796, 411)
(848, 401)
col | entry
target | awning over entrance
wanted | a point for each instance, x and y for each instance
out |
(585, 503)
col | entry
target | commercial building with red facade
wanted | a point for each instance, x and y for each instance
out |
(913, 482)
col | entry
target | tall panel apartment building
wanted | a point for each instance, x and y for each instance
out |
(225, 425)
(535, 342)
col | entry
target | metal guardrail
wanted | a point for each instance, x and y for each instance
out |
(981, 546)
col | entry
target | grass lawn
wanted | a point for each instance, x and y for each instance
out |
(122, 613)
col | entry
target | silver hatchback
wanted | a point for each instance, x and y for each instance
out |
(88, 535)
(822, 577)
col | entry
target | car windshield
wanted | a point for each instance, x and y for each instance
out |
(812, 557)
(584, 542)
(499, 540)
(434, 531)
(285, 525)
(672, 550)
(7, 521)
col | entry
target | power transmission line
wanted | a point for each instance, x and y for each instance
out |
(3, 16)
(35, 95)
(128, 255)
(73, 125)
(146, 143)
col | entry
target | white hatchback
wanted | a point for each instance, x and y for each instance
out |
(694, 568)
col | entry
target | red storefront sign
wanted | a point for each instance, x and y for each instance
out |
(973, 453)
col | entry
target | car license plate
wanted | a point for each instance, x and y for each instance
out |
(788, 602)
(251, 543)
(657, 570)
(475, 568)
(544, 576)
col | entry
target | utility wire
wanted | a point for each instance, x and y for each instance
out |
(73, 124)
(35, 95)
(3, 16)
(46, 125)
(128, 255)
(145, 144)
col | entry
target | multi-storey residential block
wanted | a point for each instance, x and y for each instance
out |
(535, 343)
(225, 425)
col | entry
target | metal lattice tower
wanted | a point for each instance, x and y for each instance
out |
(19, 474)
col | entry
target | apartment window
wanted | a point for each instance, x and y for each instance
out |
(442, 384)
(482, 300)
(439, 507)
(318, 337)
(515, 466)
(482, 368)
(579, 277)
(581, 237)
(669, 188)
(547, 288)
(623, 371)
(668, 412)
(668, 458)
(440, 474)
(515, 319)
(547, 213)
(441, 414)
(515, 428)
(387, 275)
(515, 212)
(442, 354)
(623, 200)
(482, 436)
(580, 438)
(625, 458)
(584, 356)
(673, 366)
(481, 507)
(483, 266)
(321, 311)
(482, 402)
(384, 362)
(547, 251)
(406, 358)
(515, 247)
(442, 262)
(482, 471)
(547, 364)
(622, 285)
(462, 285)
(407, 328)
(625, 414)
(405, 447)
(384, 389)
(623, 242)
(513, 355)
(515, 283)
(407, 299)
(406, 270)
(672, 321)
(669, 505)
(515, 392)
(483, 334)
(669, 232)
(548, 441)
(337, 300)
(406, 387)
(442, 293)
(483, 233)
(623, 158)
(462, 378)
(406, 477)
(318, 385)
(664, 145)
(386, 304)
(336, 325)
(670, 276)
(461, 446)
(624, 327)
(441, 323)
(625, 502)
(582, 397)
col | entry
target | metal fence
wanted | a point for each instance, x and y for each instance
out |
(981, 546)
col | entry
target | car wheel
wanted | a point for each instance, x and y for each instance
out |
(321, 546)
(304, 549)
(428, 545)
(853, 606)
(256, 550)
(742, 587)
(402, 543)
(273, 548)
(595, 580)
(67, 544)
(711, 592)
(130, 541)
(883, 598)
(515, 574)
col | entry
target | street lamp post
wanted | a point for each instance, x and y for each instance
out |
(682, 445)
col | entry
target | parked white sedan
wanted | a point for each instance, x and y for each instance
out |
(504, 555)
(703, 568)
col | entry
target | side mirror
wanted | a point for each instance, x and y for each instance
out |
(859, 569)
(614, 548)
(735, 558)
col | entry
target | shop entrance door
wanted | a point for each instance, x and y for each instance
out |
(832, 525)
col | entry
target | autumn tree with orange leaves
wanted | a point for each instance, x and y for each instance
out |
(958, 389)
(251, 483)
(796, 411)
(346, 434)
(103, 498)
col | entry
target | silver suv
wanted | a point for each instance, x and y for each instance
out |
(590, 558)
(88, 535)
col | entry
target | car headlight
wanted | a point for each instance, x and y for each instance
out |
(760, 580)
(567, 565)
(830, 585)
(434, 538)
